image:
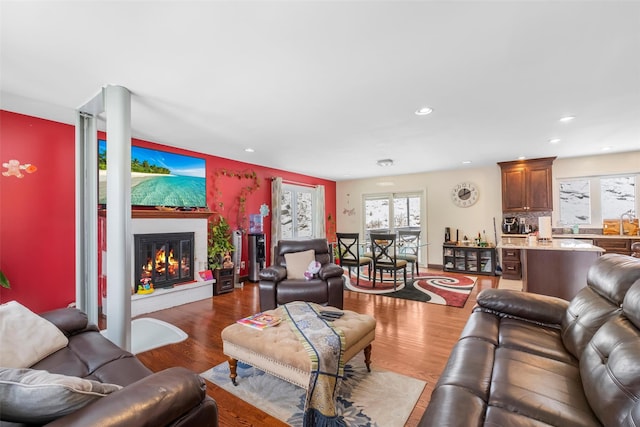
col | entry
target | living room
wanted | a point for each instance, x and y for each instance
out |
(37, 129)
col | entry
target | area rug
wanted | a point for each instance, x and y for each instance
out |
(148, 333)
(366, 286)
(443, 288)
(376, 398)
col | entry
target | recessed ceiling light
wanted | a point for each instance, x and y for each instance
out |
(385, 162)
(566, 119)
(424, 111)
(607, 148)
(554, 140)
(466, 162)
(522, 157)
(249, 150)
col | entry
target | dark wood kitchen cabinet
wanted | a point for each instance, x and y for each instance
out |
(527, 185)
(616, 246)
(511, 264)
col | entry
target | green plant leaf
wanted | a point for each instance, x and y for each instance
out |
(4, 282)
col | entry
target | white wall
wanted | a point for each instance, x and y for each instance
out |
(440, 210)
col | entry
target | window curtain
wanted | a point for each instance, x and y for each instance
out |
(276, 227)
(320, 226)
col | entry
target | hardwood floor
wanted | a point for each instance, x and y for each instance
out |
(412, 338)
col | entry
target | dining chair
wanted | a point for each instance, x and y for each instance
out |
(349, 254)
(385, 257)
(368, 246)
(408, 246)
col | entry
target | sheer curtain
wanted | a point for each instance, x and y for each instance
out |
(320, 225)
(276, 226)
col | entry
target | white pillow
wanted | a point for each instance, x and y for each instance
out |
(33, 396)
(297, 263)
(25, 337)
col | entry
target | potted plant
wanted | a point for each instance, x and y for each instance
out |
(219, 242)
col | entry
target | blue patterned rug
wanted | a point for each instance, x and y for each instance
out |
(376, 398)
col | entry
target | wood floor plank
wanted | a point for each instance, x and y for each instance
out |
(412, 338)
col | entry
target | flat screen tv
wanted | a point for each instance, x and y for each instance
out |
(159, 178)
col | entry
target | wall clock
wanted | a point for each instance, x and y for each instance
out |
(464, 194)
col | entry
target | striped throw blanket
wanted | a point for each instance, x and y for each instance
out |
(325, 346)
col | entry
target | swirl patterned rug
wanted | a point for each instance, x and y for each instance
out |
(442, 288)
(376, 398)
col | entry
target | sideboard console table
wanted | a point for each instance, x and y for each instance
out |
(469, 259)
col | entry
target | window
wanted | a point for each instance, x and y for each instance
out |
(618, 195)
(590, 200)
(298, 212)
(575, 202)
(392, 212)
(376, 213)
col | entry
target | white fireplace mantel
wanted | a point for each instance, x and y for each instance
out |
(180, 294)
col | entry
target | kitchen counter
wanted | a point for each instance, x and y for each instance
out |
(557, 268)
(553, 245)
(577, 236)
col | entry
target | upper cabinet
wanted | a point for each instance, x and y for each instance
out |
(526, 185)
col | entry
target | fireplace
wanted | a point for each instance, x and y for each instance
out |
(165, 258)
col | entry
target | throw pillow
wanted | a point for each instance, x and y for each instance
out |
(25, 337)
(297, 263)
(33, 396)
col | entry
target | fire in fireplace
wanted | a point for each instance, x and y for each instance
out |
(165, 258)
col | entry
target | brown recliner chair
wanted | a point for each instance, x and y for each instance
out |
(326, 288)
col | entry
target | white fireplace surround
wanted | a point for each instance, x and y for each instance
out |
(182, 294)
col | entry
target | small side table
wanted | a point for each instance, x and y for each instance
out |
(224, 280)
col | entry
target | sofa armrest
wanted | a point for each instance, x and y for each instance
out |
(156, 400)
(330, 270)
(69, 320)
(532, 307)
(273, 273)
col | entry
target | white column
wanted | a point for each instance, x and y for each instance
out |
(118, 108)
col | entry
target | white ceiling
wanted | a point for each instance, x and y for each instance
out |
(327, 88)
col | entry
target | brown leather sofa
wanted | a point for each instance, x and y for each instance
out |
(173, 397)
(532, 360)
(277, 289)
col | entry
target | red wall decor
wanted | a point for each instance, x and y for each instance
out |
(14, 168)
(250, 182)
(37, 212)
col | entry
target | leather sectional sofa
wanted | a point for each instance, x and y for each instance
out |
(173, 397)
(532, 360)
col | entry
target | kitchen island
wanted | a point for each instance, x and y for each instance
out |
(557, 267)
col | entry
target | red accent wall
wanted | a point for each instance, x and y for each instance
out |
(37, 229)
(37, 211)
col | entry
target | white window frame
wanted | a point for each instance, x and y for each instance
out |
(595, 197)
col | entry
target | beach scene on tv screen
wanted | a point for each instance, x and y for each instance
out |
(159, 178)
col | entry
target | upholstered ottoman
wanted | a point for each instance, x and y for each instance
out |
(278, 351)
